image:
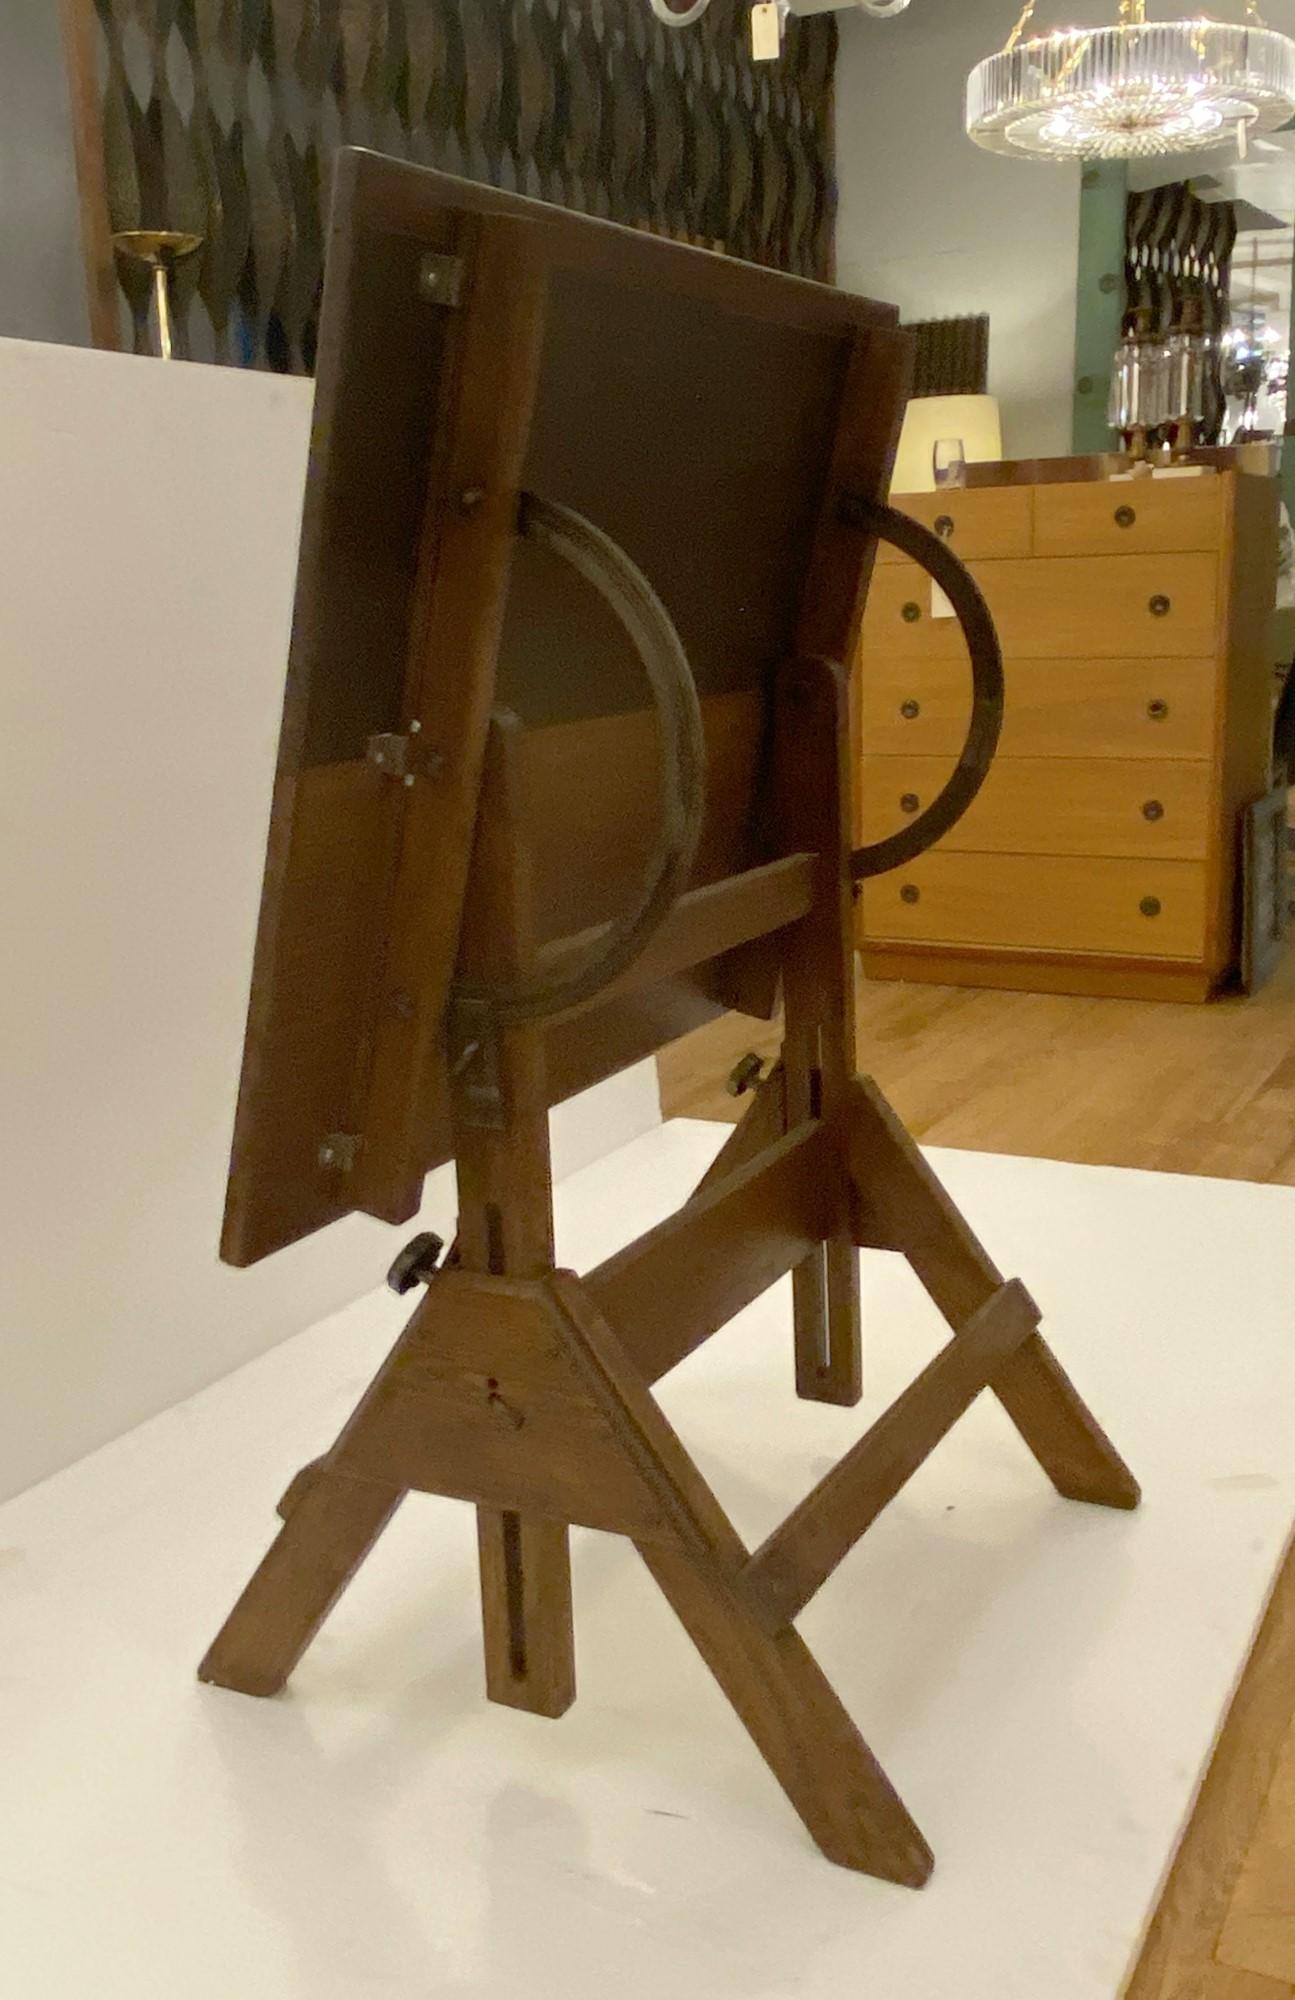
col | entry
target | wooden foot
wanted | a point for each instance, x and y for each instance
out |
(332, 1526)
(902, 1206)
(785, 1702)
(526, 1612)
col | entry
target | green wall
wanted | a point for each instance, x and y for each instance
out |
(1099, 299)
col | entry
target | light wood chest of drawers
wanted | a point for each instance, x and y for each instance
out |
(1102, 853)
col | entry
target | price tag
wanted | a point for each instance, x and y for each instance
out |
(940, 605)
(766, 31)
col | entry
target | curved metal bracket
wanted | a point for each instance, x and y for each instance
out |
(645, 620)
(986, 721)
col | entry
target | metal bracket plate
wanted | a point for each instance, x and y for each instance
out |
(404, 757)
(440, 279)
(474, 1064)
(338, 1150)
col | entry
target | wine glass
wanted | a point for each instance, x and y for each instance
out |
(949, 462)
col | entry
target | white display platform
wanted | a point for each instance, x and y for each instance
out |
(1041, 1680)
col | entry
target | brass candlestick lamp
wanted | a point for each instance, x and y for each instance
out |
(160, 252)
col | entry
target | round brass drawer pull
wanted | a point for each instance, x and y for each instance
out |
(1124, 517)
(910, 710)
(910, 893)
(1158, 606)
(1150, 906)
(1153, 809)
(909, 802)
(944, 526)
(1157, 709)
(911, 613)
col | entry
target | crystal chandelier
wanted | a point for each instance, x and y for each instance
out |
(1132, 90)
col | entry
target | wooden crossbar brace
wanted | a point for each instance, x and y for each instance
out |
(718, 917)
(798, 1557)
(670, 1290)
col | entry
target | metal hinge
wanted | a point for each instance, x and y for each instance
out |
(404, 757)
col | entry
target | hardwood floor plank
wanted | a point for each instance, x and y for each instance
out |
(1222, 1982)
(1258, 1932)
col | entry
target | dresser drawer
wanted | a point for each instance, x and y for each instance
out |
(1057, 607)
(1053, 708)
(1128, 516)
(1050, 805)
(988, 521)
(1130, 909)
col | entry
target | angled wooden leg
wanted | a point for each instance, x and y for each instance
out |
(330, 1529)
(526, 1611)
(779, 1692)
(902, 1206)
(798, 1724)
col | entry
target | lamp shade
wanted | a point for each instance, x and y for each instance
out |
(973, 419)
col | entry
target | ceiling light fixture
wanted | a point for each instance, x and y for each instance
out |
(1132, 90)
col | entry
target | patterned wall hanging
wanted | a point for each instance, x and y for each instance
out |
(1177, 263)
(951, 356)
(220, 118)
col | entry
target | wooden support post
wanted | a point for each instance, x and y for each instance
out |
(811, 808)
(501, 1152)
(810, 792)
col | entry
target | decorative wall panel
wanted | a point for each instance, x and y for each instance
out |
(222, 116)
(951, 356)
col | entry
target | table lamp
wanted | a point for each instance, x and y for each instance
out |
(929, 419)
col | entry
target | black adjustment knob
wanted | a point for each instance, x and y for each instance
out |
(911, 613)
(910, 710)
(909, 802)
(910, 893)
(1157, 709)
(1150, 906)
(944, 526)
(1124, 517)
(1158, 606)
(744, 1075)
(1153, 810)
(416, 1263)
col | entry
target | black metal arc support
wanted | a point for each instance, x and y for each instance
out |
(986, 722)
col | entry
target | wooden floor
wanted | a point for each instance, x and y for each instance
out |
(1125, 1083)
(1180, 1089)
